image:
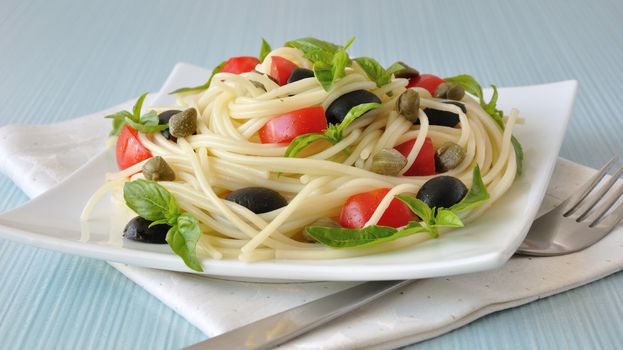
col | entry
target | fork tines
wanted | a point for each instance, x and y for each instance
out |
(588, 197)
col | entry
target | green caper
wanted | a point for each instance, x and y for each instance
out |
(408, 104)
(388, 161)
(450, 91)
(184, 123)
(448, 156)
(407, 72)
(157, 169)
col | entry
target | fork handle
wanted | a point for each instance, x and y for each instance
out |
(279, 328)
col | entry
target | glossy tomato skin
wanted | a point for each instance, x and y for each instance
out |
(281, 69)
(129, 149)
(286, 127)
(429, 82)
(359, 208)
(424, 163)
(239, 65)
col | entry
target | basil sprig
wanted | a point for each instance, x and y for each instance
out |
(329, 60)
(153, 202)
(201, 87)
(376, 72)
(432, 219)
(265, 49)
(147, 123)
(470, 85)
(334, 133)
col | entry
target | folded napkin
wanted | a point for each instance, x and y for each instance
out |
(36, 159)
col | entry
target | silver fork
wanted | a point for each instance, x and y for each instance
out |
(578, 222)
(574, 225)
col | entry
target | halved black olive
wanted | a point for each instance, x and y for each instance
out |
(257, 199)
(442, 191)
(138, 230)
(163, 118)
(300, 74)
(444, 118)
(340, 107)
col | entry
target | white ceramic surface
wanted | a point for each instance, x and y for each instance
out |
(52, 220)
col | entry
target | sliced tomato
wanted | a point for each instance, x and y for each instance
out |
(239, 65)
(130, 150)
(281, 69)
(359, 208)
(426, 81)
(286, 127)
(424, 163)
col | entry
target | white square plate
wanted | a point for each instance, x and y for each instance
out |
(52, 221)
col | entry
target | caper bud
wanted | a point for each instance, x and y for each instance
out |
(448, 156)
(408, 104)
(157, 169)
(407, 72)
(184, 123)
(388, 162)
(450, 91)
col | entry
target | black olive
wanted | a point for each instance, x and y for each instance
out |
(257, 199)
(138, 230)
(340, 107)
(442, 191)
(164, 119)
(444, 118)
(300, 74)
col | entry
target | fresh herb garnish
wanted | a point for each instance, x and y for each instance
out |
(153, 202)
(264, 50)
(470, 85)
(334, 133)
(329, 60)
(376, 72)
(432, 219)
(216, 70)
(147, 123)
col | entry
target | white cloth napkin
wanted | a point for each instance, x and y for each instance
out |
(36, 159)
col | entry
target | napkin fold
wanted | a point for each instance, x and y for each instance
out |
(36, 160)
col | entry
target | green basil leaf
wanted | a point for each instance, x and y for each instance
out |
(476, 196)
(216, 70)
(339, 63)
(324, 74)
(118, 120)
(183, 238)
(145, 129)
(308, 45)
(264, 50)
(395, 67)
(301, 142)
(519, 157)
(469, 84)
(150, 200)
(417, 206)
(357, 112)
(447, 218)
(339, 237)
(150, 118)
(320, 56)
(136, 110)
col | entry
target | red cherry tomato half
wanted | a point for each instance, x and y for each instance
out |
(130, 150)
(286, 127)
(239, 65)
(426, 81)
(424, 163)
(359, 208)
(281, 69)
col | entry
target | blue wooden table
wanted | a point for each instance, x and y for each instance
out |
(61, 59)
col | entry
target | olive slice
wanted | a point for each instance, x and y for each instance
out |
(442, 191)
(138, 230)
(339, 108)
(257, 199)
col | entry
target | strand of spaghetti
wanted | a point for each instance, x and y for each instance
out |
(384, 204)
(506, 146)
(419, 142)
(289, 209)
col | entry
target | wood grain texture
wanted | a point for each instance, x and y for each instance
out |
(61, 59)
